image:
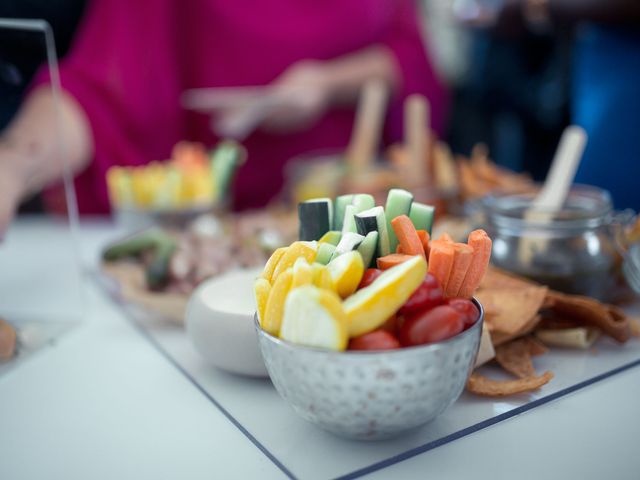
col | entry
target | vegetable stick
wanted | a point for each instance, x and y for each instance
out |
(441, 260)
(399, 249)
(481, 244)
(445, 237)
(424, 238)
(392, 260)
(461, 261)
(407, 236)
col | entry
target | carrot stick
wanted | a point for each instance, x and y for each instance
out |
(441, 261)
(392, 260)
(445, 237)
(481, 244)
(424, 238)
(407, 236)
(461, 262)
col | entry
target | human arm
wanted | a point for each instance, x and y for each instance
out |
(32, 145)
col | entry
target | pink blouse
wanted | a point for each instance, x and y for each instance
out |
(132, 60)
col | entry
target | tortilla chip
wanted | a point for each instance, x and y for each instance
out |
(516, 307)
(515, 356)
(499, 338)
(552, 321)
(481, 385)
(608, 318)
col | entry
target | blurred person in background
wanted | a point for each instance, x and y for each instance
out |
(131, 61)
(604, 79)
(21, 53)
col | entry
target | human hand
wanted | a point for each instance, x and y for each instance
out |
(293, 102)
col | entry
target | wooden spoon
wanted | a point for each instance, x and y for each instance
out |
(556, 187)
(416, 138)
(367, 128)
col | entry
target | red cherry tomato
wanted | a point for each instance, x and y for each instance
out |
(369, 276)
(467, 308)
(428, 295)
(376, 340)
(431, 326)
(391, 325)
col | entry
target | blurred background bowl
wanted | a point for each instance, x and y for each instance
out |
(371, 395)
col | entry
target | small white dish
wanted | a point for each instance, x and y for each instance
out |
(219, 323)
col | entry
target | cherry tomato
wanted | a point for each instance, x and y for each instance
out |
(467, 308)
(391, 325)
(376, 340)
(428, 295)
(431, 326)
(369, 276)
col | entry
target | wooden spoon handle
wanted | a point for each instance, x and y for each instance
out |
(563, 170)
(416, 137)
(367, 128)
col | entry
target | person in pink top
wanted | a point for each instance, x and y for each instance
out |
(131, 62)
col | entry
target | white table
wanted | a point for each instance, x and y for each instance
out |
(104, 403)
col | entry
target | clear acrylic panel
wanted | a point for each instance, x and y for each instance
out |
(40, 272)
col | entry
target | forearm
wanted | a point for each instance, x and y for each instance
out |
(346, 75)
(30, 148)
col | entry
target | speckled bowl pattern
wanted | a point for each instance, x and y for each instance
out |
(371, 395)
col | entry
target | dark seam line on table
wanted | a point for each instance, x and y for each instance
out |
(142, 331)
(482, 425)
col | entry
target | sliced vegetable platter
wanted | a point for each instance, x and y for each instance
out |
(363, 275)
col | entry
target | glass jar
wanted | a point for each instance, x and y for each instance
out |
(572, 250)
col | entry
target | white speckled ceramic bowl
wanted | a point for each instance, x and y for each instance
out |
(219, 323)
(371, 395)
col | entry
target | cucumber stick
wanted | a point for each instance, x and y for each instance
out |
(368, 248)
(135, 244)
(349, 223)
(362, 202)
(341, 204)
(225, 159)
(371, 220)
(157, 271)
(315, 217)
(422, 216)
(398, 203)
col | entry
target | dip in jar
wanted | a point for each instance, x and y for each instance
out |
(573, 252)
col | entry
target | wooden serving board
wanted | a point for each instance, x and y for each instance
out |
(131, 285)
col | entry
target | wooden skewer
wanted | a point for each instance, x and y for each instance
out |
(555, 189)
(416, 138)
(367, 128)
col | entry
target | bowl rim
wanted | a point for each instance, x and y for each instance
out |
(368, 353)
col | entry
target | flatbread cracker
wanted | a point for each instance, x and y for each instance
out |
(481, 385)
(515, 356)
(517, 307)
(608, 318)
